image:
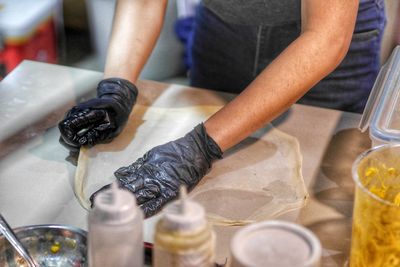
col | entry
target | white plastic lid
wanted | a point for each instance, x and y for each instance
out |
(183, 214)
(382, 112)
(275, 243)
(115, 206)
(19, 17)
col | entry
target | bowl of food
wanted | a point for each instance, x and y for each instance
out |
(49, 245)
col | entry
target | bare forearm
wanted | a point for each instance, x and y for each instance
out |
(272, 92)
(304, 63)
(136, 27)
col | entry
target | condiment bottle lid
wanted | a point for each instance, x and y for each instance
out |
(183, 214)
(115, 205)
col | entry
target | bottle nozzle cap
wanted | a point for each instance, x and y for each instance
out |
(183, 214)
(182, 197)
(115, 205)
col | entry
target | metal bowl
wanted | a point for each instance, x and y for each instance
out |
(50, 245)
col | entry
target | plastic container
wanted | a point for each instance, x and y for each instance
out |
(115, 230)
(376, 214)
(183, 237)
(382, 112)
(27, 30)
(275, 244)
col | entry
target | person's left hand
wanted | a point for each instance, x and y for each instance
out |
(101, 119)
(155, 178)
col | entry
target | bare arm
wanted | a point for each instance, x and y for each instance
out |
(136, 27)
(327, 28)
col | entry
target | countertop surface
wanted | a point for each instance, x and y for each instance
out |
(34, 171)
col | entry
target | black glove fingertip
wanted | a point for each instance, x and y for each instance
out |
(122, 172)
(82, 141)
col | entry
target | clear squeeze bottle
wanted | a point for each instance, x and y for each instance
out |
(115, 235)
(183, 236)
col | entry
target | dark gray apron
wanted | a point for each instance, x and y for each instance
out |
(234, 40)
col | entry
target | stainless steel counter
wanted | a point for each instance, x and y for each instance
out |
(36, 181)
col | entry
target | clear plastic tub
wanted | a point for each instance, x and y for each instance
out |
(382, 112)
(376, 212)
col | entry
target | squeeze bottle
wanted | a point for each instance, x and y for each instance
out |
(115, 231)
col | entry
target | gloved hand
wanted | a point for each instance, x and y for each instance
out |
(100, 119)
(155, 178)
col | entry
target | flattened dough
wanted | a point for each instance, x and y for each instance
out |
(258, 179)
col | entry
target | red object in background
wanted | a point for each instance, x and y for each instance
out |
(40, 45)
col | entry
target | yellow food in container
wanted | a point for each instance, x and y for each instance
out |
(376, 214)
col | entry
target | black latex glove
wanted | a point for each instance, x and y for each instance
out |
(155, 178)
(100, 119)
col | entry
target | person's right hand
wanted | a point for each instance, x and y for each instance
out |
(100, 119)
(155, 178)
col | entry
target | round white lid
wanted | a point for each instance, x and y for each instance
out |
(275, 243)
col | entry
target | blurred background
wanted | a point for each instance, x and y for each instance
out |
(75, 33)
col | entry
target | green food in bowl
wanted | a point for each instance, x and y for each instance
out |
(49, 245)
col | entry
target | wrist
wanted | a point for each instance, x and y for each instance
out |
(212, 149)
(121, 90)
(215, 134)
(117, 86)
